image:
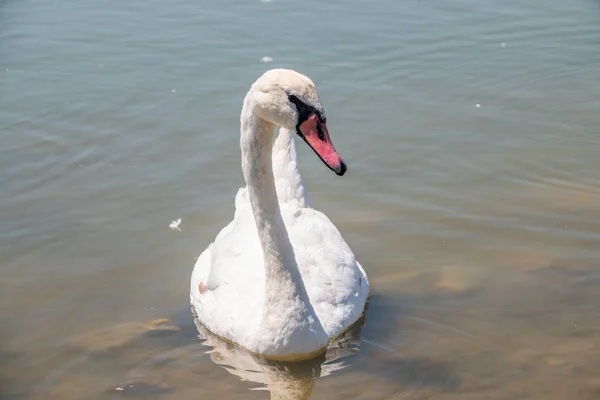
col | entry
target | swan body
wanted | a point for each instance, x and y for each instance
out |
(279, 279)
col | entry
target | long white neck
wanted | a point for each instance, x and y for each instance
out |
(284, 289)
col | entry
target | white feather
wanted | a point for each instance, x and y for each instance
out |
(175, 224)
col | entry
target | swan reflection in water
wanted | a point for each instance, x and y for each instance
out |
(284, 380)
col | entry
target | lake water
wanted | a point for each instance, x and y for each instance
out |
(472, 197)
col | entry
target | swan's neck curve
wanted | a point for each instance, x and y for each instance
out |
(284, 289)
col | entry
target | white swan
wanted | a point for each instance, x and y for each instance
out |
(279, 280)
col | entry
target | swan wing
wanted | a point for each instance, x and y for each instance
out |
(336, 283)
(227, 285)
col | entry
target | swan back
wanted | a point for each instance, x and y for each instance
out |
(288, 182)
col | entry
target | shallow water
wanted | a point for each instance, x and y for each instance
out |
(472, 198)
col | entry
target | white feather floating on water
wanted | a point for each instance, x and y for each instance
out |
(266, 59)
(175, 225)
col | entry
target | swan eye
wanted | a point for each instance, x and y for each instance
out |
(293, 98)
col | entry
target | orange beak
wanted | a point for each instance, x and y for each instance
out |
(314, 132)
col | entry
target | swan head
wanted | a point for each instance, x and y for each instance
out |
(290, 100)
